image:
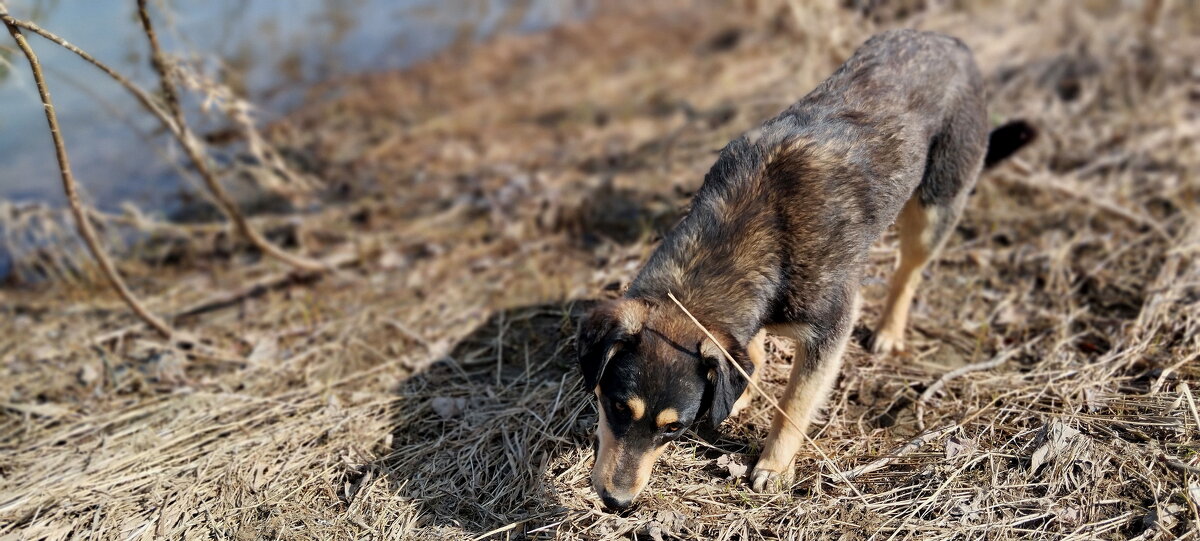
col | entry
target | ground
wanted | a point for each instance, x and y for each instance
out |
(483, 198)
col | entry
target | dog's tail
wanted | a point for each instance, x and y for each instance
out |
(1007, 140)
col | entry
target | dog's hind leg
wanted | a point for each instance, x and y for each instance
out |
(918, 245)
(955, 159)
(758, 356)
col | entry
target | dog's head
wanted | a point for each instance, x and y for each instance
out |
(654, 374)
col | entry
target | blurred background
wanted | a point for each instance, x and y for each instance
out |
(276, 56)
(272, 54)
(465, 177)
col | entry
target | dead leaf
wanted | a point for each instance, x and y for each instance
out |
(1068, 515)
(1093, 401)
(736, 470)
(1057, 440)
(1163, 517)
(957, 448)
(392, 259)
(88, 375)
(448, 408)
(266, 349)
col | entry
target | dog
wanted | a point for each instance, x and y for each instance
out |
(776, 241)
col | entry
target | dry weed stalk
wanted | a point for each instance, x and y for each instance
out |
(295, 185)
(911, 446)
(70, 188)
(192, 147)
(997, 360)
(171, 116)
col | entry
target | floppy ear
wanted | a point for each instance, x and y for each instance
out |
(602, 332)
(727, 382)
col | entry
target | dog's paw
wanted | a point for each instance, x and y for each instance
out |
(887, 341)
(763, 479)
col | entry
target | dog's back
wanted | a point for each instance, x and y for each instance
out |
(917, 78)
(786, 215)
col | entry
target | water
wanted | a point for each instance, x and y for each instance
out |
(272, 49)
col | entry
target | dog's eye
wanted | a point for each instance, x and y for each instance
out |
(620, 407)
(673, 428)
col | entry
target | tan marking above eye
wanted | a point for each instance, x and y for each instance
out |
(667, 416)
(637, 407)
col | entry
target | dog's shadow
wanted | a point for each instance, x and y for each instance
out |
(476, 433)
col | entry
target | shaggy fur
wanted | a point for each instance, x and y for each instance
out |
(777, 238)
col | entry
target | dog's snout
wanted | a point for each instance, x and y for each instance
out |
(614, 503)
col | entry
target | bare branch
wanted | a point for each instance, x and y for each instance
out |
(960, 371)
(143, 97)
(911, 446)
(171, 115)
(82, 221)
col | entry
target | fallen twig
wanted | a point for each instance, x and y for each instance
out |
(229, 298)
(911, 446)
(998, 360)
(1063, 186)
(261, 286)
(1177, 464)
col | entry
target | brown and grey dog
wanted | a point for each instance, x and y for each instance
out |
(776, 241)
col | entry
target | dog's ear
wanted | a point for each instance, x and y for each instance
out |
(610, 326)
(726, 382)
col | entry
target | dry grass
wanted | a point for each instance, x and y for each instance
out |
(429, 392)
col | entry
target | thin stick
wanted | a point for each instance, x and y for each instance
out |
(957, 372)
(833, 466)
(191, 146)
(173, 121)
(150, 103)
(224, 299)
(1060, 186)
(501, 529)
(82, 222)
(910, 447)
(1177, 464)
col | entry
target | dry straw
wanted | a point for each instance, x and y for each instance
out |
(430, 391)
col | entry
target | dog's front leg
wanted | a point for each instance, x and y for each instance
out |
(814, 370)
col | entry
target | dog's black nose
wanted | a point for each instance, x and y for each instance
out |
(614, 504)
